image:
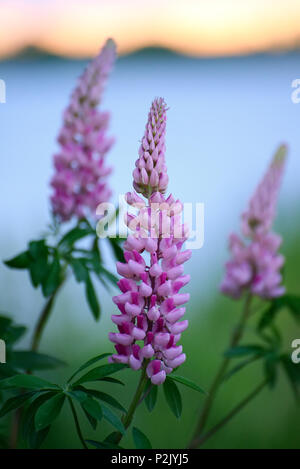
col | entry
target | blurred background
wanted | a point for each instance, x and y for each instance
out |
(225, 69)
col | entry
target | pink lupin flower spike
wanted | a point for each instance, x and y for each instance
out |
(150, 174)
(255, 264)
(79, 181)
(151, 305)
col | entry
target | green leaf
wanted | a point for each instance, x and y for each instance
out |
(21, 261)
(92, 420)
(291, 302)
(39, 265)
(89, 363)
(92, 298)
(151, 397)
(49, 411)
(187, 382)
(113, 419)
(79, 269)
(241, 366)
(53, 279)
(108, 275)
(112, 380)
(26, 360)
(92, 408)
(100, 372)
(173, 397)
(103, 445)
(26, 382)
(104, 397)
(292, 371)
(15, 402)
(74, 235)
(140, 439)
(33, 438)
(117, 250)
(270, 365)
(243, 350)
(78, 394)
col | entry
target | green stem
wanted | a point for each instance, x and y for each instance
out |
(134, 404)
(78, 429)
(43, 319)
(235, 339)
(202, 439)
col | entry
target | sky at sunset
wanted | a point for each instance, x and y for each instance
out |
(195, 27)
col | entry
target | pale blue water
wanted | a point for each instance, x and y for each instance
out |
(225, 120)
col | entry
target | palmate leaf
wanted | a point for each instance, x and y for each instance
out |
(48, 411)
(100, 372)
(173, 397)
(104, 397)
(140, 439)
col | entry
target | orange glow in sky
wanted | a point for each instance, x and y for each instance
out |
(197, 27)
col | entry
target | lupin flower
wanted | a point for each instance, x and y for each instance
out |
(151, 305)
(80, 179)
(150, 174)
(255, 265)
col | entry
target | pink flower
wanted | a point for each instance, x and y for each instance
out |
(150, 174)
(255, 264)
(79, 182)
(150, 303)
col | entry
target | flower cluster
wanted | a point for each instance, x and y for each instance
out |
(151, 304)
(256, 264)
(80, 179)
(150, 173)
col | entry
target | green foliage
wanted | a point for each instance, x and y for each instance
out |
(21, 360)
(48, 264)
(151, 396)
(291, 303)
(43, 401)
(173, 397)
(140, 439)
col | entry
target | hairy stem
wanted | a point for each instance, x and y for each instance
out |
(127, 419)
(43, 319)
(77, 425)
(202, 439)
(235, 339)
